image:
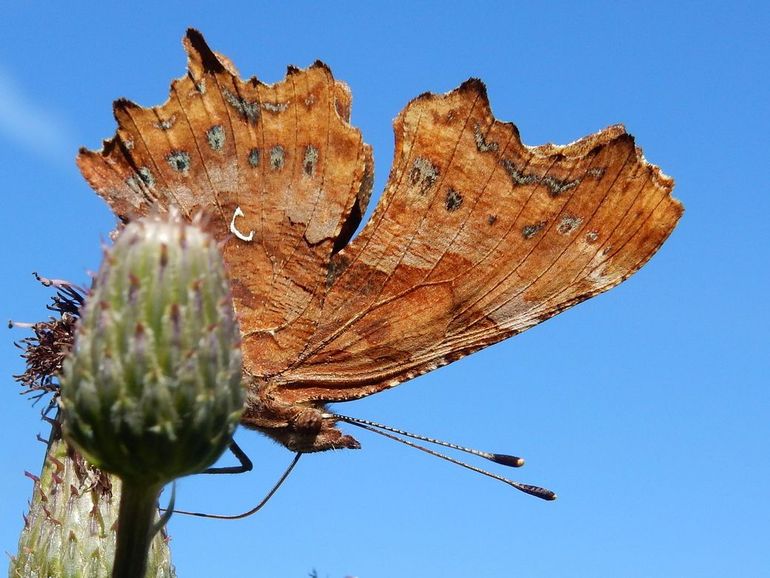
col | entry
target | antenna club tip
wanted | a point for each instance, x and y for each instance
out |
(537, 491)
(507, 460)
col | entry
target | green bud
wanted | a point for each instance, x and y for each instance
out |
(70, 529)
(152, 388)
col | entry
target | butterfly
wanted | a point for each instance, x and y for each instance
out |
(476, 238)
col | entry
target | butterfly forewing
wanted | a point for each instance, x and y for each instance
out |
(276, 169)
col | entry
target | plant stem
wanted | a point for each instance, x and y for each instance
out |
(138, 507)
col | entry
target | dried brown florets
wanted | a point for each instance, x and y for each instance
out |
(44, 352)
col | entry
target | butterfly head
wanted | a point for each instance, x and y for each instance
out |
(304, 428)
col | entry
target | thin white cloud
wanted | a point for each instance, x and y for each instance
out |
(31, 125)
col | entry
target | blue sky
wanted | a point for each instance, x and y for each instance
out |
(646, 409)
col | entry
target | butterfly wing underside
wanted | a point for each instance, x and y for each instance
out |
(476, 238)
(277, 170)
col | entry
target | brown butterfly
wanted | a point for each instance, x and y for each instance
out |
(476, 238)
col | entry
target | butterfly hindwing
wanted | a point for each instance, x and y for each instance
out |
(478, 237)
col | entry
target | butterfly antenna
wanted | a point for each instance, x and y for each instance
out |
(256, 508)
(503, 459)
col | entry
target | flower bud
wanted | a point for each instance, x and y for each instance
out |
(152, 388)
(69, 531)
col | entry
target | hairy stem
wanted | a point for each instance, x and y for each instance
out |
(135, 527)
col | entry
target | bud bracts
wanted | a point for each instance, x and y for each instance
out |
(69, 531)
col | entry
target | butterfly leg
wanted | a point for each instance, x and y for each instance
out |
(246, 465)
